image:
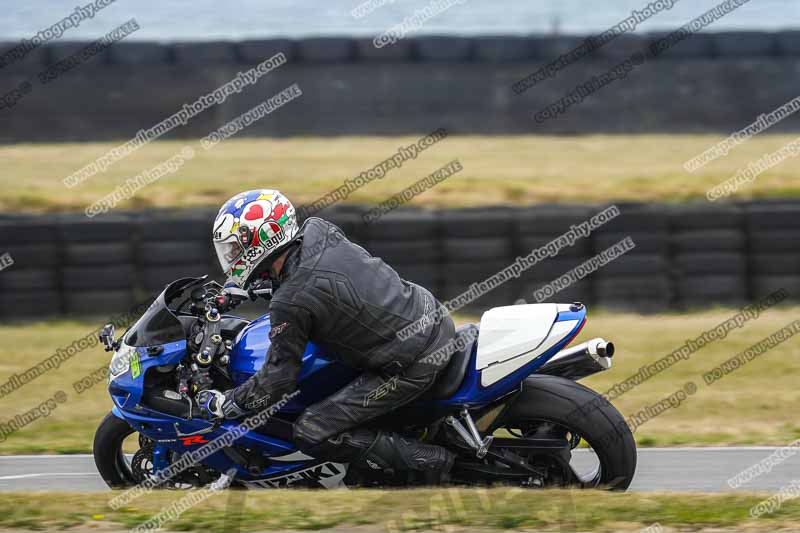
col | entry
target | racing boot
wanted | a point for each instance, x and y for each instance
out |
(391, 452)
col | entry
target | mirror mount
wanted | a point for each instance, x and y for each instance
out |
(106, 337)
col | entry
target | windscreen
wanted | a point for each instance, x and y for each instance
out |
(159, 324)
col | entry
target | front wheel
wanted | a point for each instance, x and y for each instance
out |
(109, 456)
(555, 407)
(121, 468)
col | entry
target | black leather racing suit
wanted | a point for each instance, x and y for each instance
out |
(337, 295)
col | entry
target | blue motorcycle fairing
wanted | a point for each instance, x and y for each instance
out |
(161, 428)
(126, 391)
(319, 376)
(472, 394)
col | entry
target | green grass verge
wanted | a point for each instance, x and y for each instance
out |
(493, 509)
(497, 170)
(749, 407)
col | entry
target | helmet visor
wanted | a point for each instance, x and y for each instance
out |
(228, 251)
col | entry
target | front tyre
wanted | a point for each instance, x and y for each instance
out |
(108, 452)
(120, 470)
(551, 406)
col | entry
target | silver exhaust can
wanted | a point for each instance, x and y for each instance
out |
(580, 361)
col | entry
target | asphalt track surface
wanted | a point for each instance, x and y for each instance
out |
(659, 469)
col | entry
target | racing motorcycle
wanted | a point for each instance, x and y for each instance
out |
(507, 403)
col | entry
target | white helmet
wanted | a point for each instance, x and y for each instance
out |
(249, 228)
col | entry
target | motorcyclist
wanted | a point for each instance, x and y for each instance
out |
(332, 292)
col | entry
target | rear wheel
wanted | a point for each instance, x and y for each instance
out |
(551, 407)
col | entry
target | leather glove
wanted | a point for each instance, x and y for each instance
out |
(216, 405)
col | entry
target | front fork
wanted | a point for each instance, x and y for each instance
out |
(160, 458)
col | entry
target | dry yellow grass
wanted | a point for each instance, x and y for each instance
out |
(497, 170)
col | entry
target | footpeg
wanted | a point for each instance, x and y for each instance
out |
(224, 480)
(484, 447)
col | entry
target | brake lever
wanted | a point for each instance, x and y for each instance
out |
(227, 299)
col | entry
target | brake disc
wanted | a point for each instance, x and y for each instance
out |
(142, 463)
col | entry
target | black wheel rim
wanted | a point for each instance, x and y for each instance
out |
(575, 473)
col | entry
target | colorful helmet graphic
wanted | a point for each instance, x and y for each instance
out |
(249, 228)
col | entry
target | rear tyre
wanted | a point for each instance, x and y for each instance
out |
(555, 406)
(108, 452)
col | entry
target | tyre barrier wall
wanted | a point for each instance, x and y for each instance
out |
(686, 256)
(416, 85)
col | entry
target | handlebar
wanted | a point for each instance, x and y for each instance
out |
(221, 300)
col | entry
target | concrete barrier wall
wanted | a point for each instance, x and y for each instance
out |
(707, 83)
(686, 256)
